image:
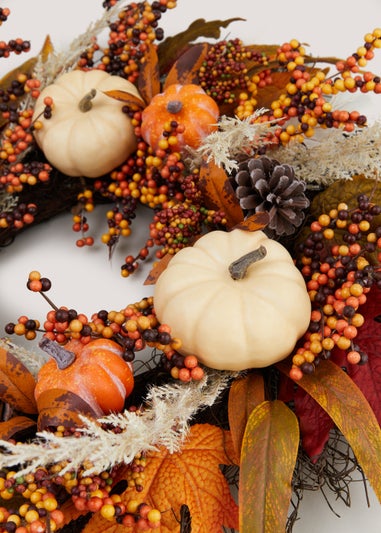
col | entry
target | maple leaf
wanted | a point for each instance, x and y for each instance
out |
(192, 477)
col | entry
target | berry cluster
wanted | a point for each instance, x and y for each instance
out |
(135, 328)
(15, 46)
(340, 261)
(175, 227)
(20, 216)
(136, 27)
(39, 496)
(307, 93)
(224, 70)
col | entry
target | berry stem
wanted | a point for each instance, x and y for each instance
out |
(239, 267)
(49, 301)
(64, 358)
(85, 104)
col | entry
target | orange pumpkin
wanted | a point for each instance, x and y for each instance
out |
(189, 106)
(96, 372)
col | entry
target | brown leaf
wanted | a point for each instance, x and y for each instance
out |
(192, 477)
(59, 407)
(182, 41)
(268, 457)
(16, 425)
(219, 194)
(129, 99)
(16, 383)
(341, 398)
(157, 269)
(254, 222)
(185, 70)
(149, 75)
(269, 93)
(244, 395)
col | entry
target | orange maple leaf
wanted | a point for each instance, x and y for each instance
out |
(192, 477)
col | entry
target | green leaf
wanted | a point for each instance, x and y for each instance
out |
(342, 399)
(268, 457)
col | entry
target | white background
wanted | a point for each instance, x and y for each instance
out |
(84, 278)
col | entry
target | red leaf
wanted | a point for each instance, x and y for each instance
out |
(345, 403)
(315, 424)
(368, 376)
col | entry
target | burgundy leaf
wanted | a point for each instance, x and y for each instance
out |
(367, 376)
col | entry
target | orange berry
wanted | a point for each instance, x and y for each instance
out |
(197, 373)
(190, 361)
(184, 374)
(353, 357)
(295, 373)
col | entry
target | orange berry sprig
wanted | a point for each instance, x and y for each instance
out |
(80, 224)
(135, 328)
(306, 95)
(338, 278)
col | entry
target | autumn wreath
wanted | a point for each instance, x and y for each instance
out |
(264, 322)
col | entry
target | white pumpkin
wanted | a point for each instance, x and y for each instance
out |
(87, 134)
(233, 324)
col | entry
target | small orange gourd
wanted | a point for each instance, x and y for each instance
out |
(189, 106)
(95, 371)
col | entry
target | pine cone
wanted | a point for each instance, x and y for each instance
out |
(263, 184)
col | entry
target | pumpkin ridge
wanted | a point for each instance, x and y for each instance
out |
(115, 379)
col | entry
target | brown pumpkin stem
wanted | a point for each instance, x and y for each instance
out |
(174, 106)
(239, 267)
(64, 358)
(86, 104)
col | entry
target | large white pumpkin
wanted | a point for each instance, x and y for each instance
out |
(233, 324)
(81, 142)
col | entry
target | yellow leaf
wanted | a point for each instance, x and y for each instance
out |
(268, 456)
(341, 398)
(245, 394)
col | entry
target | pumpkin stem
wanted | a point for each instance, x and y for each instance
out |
(239, 267)
(174, 106)
(64, 358)
(85, 103)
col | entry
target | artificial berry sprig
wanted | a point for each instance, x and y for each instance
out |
(130, 35)
(80, 224)
(39, 496)
(338, 278)
(135, 328)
